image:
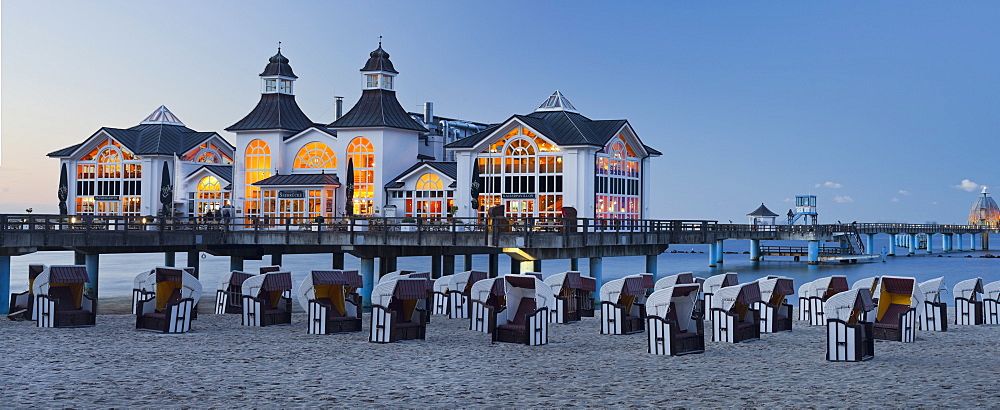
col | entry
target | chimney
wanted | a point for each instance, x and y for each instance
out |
(428, 113)
(340, 107)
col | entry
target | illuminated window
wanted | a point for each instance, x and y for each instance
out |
(315, 155)
(270, 85)
(617, 187)
(523, 172)
(372, 80)
(258, 167)
(207, 153)
(429, 181)
(286, 86)
(387, 82)
(362, 153)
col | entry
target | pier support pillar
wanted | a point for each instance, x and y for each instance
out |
(574, 264)
(597, 272)
(235, 263)
(930, 243)
(912, 242)
(387, 264)
(436, 267)
(515, 266)
(813, 258)
(367, 280)
(972, 241)
(958, 242)
(494, 268)
(870, 243)
(721, 250)
(468, 263)
(524, 267)
(986, 241)
(79, 258)
(4, 285)
(946, 245)
(193, 262)
(170, 259)
(276, 259)
(892, 245)
(713, 251)
(537, 265)
(651, 265)
(755, 249)
(448, 264)
(337, 260)
(93, 263)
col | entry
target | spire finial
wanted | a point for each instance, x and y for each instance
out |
(279, 46)
(380, 41)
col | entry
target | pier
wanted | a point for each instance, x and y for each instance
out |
(526, 240)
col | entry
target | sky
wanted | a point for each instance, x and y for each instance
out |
(887, 111)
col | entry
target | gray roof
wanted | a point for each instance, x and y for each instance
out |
(301, 179)
(223, 171)
(274, 111)
(278, 65)
(377, 108)
(762, 211)
(379, 61)
(447, 168)
(150, 139)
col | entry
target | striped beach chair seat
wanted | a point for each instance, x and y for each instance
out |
(969, 302)
(849, 338)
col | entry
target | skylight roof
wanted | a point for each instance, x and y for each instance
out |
(162, 116)
(557, 102)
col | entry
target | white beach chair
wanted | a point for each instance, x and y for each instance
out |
(459, 291)
(805, 310)
(331, 301)
(896, 315)
(678, 279)
(528, 323)
(229, 295)
(969, 302)
(22, 304)
(621, 312)
(775, 312)
(565, 286)
(440, 305)
(848, 337)
(872, 285)
(395, 312)
(60, 300)
(486, 299)
(267, 299)
(712, 284)
(819, 291)
(733, 318)
(933, 313)
(672, 327)
(169, 299)
(991, 303)
(585, 295)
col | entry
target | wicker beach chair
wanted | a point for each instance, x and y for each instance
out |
(441, 305)
(896, 315)
(678, 279)
(60, 300)
(229, 295)
(991, 303)
(848, 337)
(395, 312)
(733, 318)
(932, 315)
(526, 320)
(486, 300)
(585, 296)
(713, 284)
(775, 312)
(565, 286)
(872, 284)
(169, 299)
(395, 275)
(622, 306)
(331, 301)
(267, 299)
(819, 291)
(460, 290)
(144, 287)
(22, 304)
(673, 326)
(969, 302)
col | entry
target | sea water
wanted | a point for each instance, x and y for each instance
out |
(117, 271)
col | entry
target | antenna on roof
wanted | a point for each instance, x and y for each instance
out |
(380, 41)
(279, 46)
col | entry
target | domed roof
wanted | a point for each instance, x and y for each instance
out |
(984, 211)
(278, 65)
(379, 61)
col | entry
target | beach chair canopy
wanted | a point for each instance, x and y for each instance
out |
(648, 280)
(518, 287)
(714, 283)
(489, 291)
(805, 290)
(443, 284)
(174, 284)
(565, 283)
(668, 281)
(67, 280)
(899, 291)
(932, 289)
(992, 290)
(736, 297)
(774, 289)
(269, 286)
(969, 289)
(331, 286)
(870, 283)
(463, 281)
(269, 269)
(394, 275)
(588, 284)
(675, 303)
(627, 286)
(825, 287)
(33, 272)
(848, 305)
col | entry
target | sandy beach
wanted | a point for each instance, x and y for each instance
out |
(222, 364)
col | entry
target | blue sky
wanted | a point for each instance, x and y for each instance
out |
(879, 108)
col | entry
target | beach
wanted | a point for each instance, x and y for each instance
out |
(222, 364)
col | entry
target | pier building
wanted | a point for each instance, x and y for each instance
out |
(159, 164)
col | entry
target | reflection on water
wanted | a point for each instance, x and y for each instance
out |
(118, 270)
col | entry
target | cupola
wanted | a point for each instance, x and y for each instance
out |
(277, 76)
(378, 71)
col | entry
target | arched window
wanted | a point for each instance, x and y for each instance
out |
(523, 172)
(109, 181)
(362, 153)
(258, 167)
(209, 157)
(617, 188)
(315, 155)
(429, 181)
